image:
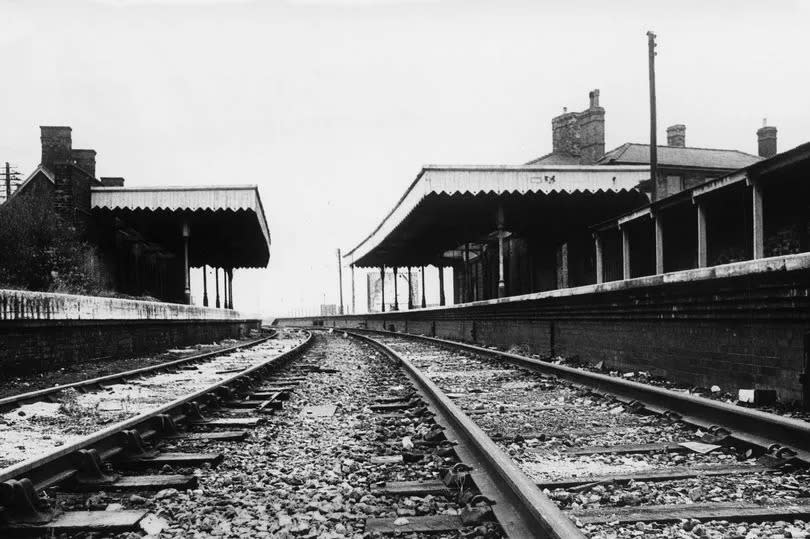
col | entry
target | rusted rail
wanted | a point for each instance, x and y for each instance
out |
(787, 437)
(41, 394)
(19, 483)
(522, 510)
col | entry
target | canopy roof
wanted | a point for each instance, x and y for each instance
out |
(446, 206)
(227, 224)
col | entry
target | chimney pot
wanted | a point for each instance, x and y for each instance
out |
(766, 138)
(676, 136)
(56, 145)
(594, 96)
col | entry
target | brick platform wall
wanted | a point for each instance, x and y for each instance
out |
(42, 347)
(741, 325)
(41, 332)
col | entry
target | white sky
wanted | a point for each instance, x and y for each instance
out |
(332, 106)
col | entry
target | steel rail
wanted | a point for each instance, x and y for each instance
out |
(63, 463)
(749, 426)
(37, 395)
(522, 510)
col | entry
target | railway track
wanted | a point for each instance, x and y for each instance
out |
(620, 458)
(49, 393)
(94, 462)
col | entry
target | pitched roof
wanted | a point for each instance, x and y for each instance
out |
(631, 153)
(556, 158)
(499, 180)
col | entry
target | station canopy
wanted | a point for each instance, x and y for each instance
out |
(227, 224)
(448, 206)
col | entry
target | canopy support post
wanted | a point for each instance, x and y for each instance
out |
(467, 277)
(351, 269)
(424, 304)
(396, 291)
(410, 291)
(758, 228)
(216, 285)
(441, 286)
(702, 252)
(625, 253)
(187, 287)
(230, 288)
(658, 221)
(600, 261)
(224, 288)
(205, 285)
(382, 289)
(501, 278)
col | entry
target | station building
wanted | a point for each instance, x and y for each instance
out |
(570, 255)
(511, 230)
(146, 239)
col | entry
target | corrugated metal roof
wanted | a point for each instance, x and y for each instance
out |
(474, 180)
(181, 198)
(631, 153)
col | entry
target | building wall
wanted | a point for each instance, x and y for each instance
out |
(737, 326)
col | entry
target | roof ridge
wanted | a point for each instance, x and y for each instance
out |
(622, 147)
(691, 148)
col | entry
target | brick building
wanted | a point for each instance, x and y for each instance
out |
(578, 138)
(146, 239)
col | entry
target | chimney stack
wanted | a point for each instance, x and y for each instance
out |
(56, 145)
(581, 134)
(565, 133)
(676, 136)
(85, 160)
(592, 130)
(766, 136)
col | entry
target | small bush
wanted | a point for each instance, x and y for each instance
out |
(38, 251)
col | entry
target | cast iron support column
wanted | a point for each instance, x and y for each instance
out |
(216, 285)
(230, 288)
(382, 289)
(600, 262)
(424, 304)
(702, 251)
(410, 290)
(625, 253)
(187, 288)
(501, 279)
(396, 291)
(441, 286)
(467, 277)
(757, 221)
(224, 288)
(658, 221)
(340, 283)
(351, 269)
(205, 285)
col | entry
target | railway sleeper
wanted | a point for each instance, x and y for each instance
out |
(136, 482)
(731, 511)
(79, 521)
(172, 459)
(224, 436)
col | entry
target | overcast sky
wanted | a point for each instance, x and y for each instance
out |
(332, 106)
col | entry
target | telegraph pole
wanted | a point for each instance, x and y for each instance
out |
(340, 282)
(653, 135)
